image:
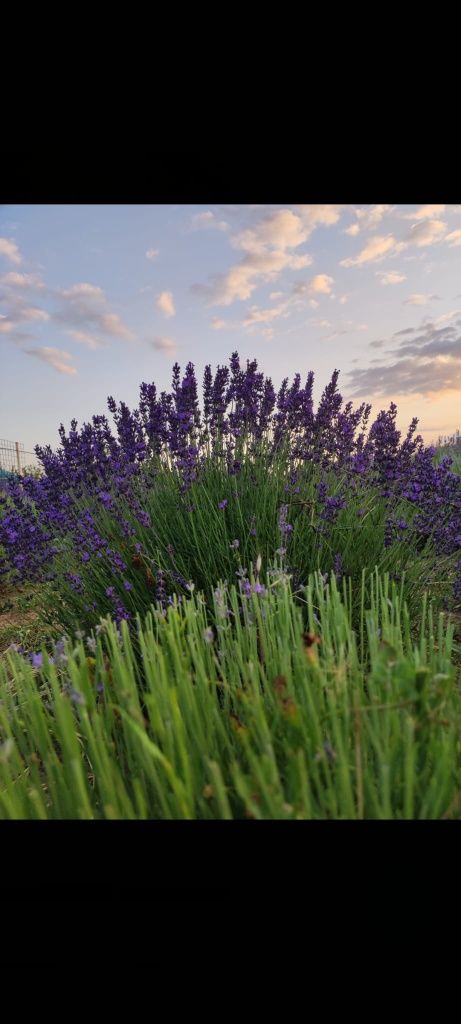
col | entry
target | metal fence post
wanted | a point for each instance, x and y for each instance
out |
(18, 460)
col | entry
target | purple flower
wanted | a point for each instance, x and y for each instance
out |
(338, 566)
(144, 519)
(75, 582)
(127, 585)
(17, 649)
(284, 527)
(222, 504)
(59, 655)
(76, 697)
(37, 660)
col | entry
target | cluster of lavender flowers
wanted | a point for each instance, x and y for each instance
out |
(241, 414)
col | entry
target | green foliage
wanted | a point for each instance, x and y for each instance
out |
(282, 711)
(190, 538)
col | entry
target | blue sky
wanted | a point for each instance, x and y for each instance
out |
(95, 299)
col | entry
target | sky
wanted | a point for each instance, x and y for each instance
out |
(95, 299)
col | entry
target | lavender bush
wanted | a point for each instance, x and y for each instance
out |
(177, 495)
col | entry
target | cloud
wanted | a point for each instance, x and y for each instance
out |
(390, 276)
(418, 299)
(9, 249)
(454, 238)
(55, 357)
(110, 323)
(320, 215)
(81, 310)
(34, 313)
(282, 230)
(15, 280)
(345, 327)
(428, 364)
(17, 337)
(242, 279)
(82, 307)
(446, 317)
(375, 250)
(86, 291)
(427, 232)
(152, 253)
(267, 251)
(165, 304)
(16, 294)
(370, 217)
(426, 212)
(208, 220)
(7, 324)
(164, 344)
(89, 340)
(19, 315)
(257, 316)
(255, 319)
(343, 299)
(443, 343)
(405, 377)
(321, 284)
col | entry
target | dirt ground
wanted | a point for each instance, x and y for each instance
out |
(20, 618)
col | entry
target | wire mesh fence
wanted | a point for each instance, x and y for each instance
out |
(16, 459)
